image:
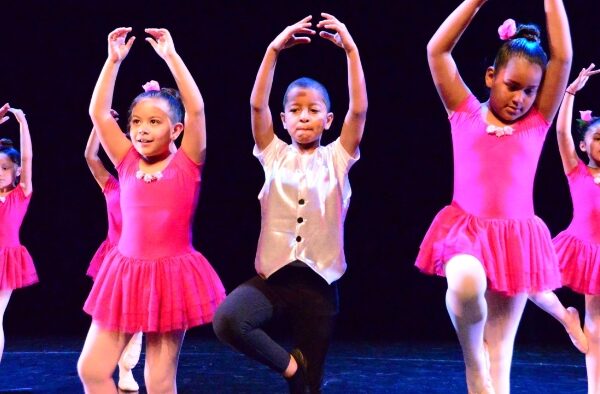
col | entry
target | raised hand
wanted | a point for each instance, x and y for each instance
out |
(341, 37)
(118, 45)
(19, 115)
(161, 41)
(582, 79)
(287, 38)
(3, 111)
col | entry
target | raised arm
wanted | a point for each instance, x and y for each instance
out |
(194, 130)
(262, 120)
(559, 64)
(3, 112)
(26, 151)
(566, 146)
(354, 122)
(112, 138)
(447, 80)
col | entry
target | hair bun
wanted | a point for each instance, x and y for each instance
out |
(6, 143)
(528, 32)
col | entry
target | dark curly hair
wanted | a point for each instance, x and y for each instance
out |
(526, 44)
(7, 147)
(172, 97)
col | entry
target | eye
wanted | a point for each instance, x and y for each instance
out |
(293, 110)
(154, 121)
(135, 121)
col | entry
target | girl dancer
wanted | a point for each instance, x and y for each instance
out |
(303, 202)
(488, 243)
(578, 247)
(16, 265)
(153, 281)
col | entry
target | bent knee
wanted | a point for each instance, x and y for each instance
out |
(90, 372)
(466, 277)
(226, 325)
(160, 383)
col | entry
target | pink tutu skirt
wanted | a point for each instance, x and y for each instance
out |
(517, 254)
(579, 263)
(98, 258)
(16, 268)
(158, 295)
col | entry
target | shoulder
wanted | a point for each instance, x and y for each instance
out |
(470, 105)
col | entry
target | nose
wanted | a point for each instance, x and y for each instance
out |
(518, 97)
(304, 115)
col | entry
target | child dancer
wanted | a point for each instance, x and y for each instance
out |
(304, 202)
(16, 266)
(153, 281)
(578, 247)
(110, 188)
(488, 243)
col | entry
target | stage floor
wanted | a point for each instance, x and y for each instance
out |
(206, 366)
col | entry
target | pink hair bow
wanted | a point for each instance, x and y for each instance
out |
(150, 86)
(507, 30)
(586, 116)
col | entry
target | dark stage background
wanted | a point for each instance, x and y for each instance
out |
(52, 53)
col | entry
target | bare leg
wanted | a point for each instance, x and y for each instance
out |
(129, 359)
(162, 356)
(592, 332)
(504, 315)
(465, 301)
(568, 317)
(4, 298)
(98, 359)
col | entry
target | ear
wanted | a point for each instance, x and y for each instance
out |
(489, 76)
(18, 171)
(582, 146)
(329, 120)
(282, 114)
(177, 130)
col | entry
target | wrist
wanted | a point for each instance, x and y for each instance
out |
(570, 91)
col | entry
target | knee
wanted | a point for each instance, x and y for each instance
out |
(160, 383)
(226, 325)
(466, 278)
(89, 372)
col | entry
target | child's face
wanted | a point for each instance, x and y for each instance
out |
(591, 145)
(306, 116)
(150, 127)
(513, 88)
(9, 171)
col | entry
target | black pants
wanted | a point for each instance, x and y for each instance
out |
(296, 293)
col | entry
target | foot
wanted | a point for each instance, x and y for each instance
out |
(126, 380)
(298, 383)
(481, 383)
(573, 327)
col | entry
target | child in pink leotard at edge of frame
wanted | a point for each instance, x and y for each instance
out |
(153, 281)
(16, 265)
(578, 247)
(488, 243)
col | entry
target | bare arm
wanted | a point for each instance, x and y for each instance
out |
(566, 146)
(559, 65)
(94, 163)
(354, 122)
(448, 82)
(194, 134)
(112, 138)
(262, 120)
(26, 151)
(3, 112)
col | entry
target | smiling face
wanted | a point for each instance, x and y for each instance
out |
(591, 145)
(513, 88)
(151, 129)
(305, 117)
(9, 171)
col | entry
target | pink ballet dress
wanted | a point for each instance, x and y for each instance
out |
(491, 216)
(16, 266)
(113, 212)
(154, 280)
(578, 247)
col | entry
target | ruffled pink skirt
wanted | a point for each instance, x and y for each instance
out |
(517, 254)
(16, 268)
(158, 295)
(98, 258)
(579, 263)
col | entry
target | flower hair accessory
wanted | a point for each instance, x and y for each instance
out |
(507, 30)
(151, 86)
(586, 116)
(500, 131)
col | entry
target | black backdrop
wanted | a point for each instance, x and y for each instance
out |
(52, 53)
